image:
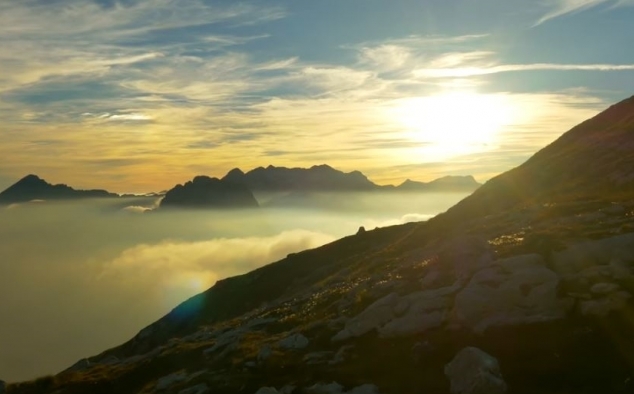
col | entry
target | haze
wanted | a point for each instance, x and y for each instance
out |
(79, 277)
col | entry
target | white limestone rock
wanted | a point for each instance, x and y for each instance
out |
(267, 390)
(427, 310)
(374, 316)
(294, 342)
(325, 388)
(601, 307)
(604, 288)
(198, 389)
(517, 290)
(594, 253)
(167, 381)
(473, 371)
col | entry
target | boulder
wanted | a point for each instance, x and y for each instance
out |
(601, 307)
(517, 290)
(294, 342)
(198, 389)
(167, 381)
(466, 255)
(593, 253)
(374, 316)
(427, 309)
(473, 371)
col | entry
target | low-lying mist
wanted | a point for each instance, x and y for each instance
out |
(79, 277)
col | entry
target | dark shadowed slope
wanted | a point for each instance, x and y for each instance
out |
(31, 187)
(206, 192)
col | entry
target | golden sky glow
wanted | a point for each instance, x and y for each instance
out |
(137, 96)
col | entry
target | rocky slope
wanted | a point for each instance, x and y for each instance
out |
(32, 187)
(206, 192)
(524, 287)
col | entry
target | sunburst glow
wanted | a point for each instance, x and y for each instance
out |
(455, 123)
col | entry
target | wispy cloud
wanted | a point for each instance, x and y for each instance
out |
(460, 72)
(559, 8)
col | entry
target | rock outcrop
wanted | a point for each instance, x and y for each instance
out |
(517, 290)
(473, 371)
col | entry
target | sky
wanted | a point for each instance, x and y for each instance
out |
(136, 96)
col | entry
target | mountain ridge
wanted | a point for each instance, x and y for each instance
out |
(32, 187)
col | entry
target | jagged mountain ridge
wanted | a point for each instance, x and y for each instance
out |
(321, 178)
(543, 281)
(206, 192)
(32, 187)
(327, 179)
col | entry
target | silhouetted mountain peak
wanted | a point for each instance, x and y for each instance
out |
(207, 192)
(32, 187)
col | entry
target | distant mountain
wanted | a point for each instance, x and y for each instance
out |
(447, 183)
(323, 178)
(526, 286)
(206, 192)
(32, 187)
(316, 178)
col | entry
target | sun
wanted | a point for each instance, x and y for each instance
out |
(452, 124)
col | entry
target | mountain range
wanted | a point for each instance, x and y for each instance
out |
(204, 191)
(523, 287)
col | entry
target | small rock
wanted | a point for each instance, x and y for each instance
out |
(604, 288)
(316, 358)
(110, 360)
(170, 380)
(294, 342)
(420, 350)
(198, 389)
(264, 353)
(364, 389)
(80, 365)
(361, 230)
(325, 388)
(341, 355)
(267, 390)
(473, 371)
